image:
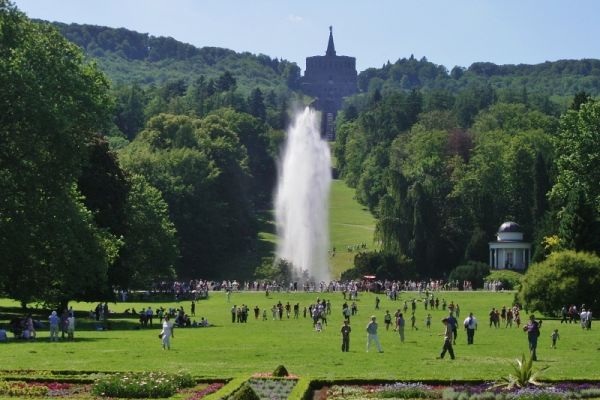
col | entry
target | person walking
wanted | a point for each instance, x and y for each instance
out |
(454, 325)
(372, 334)
(447, 340)
(533, 332)
(470, 326)
(387, 319)
(400, 322)
(167, 333)
(346, 336)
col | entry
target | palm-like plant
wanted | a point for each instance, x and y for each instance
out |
(523, 375)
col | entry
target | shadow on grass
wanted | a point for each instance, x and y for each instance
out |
(45, 340)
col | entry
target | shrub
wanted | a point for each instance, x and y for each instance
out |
(245, 392)
(565, 277)
(510, 279)
(472, 271)
(280, 371)
(523, 375)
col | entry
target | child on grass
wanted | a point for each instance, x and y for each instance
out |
(555, 336)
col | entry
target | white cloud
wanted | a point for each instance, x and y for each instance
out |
(295, 18)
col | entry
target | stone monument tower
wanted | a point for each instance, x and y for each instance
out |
(329, 79)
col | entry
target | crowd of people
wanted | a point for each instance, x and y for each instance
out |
(178, 317)
(199, 288)
(26, 327)
(571, 315)
(422, 295)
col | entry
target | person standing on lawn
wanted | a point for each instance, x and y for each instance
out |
(53, 320)
(470, 326)
(533, 332)
(167, 333)
(346, 336)
(372, 334)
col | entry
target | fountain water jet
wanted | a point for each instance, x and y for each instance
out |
(302, 198)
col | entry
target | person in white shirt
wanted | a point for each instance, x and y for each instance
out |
(167, 333)
(583, 318)
(471, 326)
(71, 327)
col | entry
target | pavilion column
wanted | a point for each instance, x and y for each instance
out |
(492, 258)
(497, 258)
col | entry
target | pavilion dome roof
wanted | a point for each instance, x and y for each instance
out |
(510, 226)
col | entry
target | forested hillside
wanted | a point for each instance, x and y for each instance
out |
(131, 57)
(557, 78)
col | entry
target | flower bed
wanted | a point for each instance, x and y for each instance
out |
(42, 389)
(486, 391)
(201, 391)
(139, 385)
(273, 389)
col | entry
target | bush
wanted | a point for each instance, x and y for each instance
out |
(384, 265)
(565, 277)
(141, 385)
(280, 371)
(245, 393)
(510, 279)
(472, 271)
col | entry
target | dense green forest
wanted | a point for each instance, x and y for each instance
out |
(441, 176)
(557, 78)
(126, 159)
(120, 186)
(131, 57)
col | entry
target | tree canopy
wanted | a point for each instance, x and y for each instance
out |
(52, 103)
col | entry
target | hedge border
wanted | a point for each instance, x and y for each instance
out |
(229, 388)
(302, 390)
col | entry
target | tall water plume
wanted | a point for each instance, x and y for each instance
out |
(302, 198)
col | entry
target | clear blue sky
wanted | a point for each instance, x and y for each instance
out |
(446, 32)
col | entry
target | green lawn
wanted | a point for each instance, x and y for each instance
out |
(349, 224)
(229, 349)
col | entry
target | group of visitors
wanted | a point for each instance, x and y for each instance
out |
(505, 316)
(571, 314)
(65, 324)
(26, 328)
(177, 316)
(493, 286)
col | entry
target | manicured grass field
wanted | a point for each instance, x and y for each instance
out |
(349, 224)
(230, 349)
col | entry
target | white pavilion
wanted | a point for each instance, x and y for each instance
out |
(510, 250)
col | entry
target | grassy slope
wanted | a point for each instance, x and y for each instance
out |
(231, 349)
(349, 224)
